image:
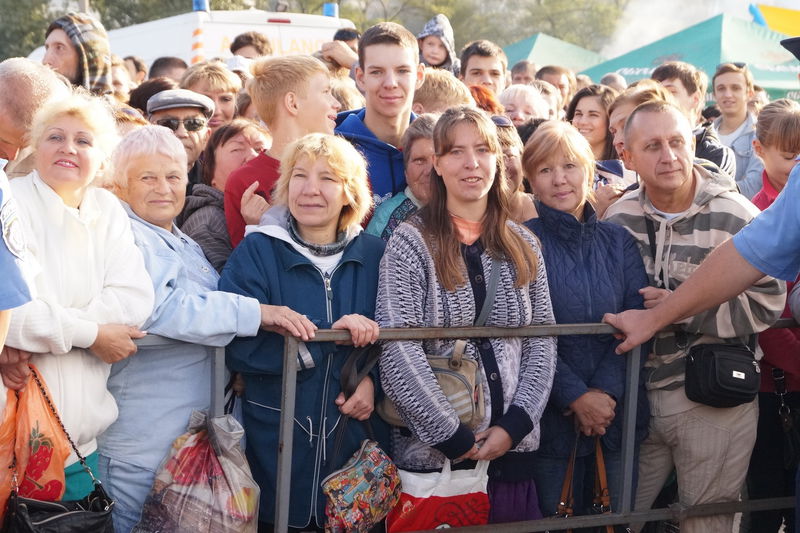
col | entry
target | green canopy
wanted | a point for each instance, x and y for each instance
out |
(545, 50)
(720, 39)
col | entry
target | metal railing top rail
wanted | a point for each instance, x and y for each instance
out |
(473, 332)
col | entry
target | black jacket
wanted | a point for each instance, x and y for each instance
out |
(709, 147)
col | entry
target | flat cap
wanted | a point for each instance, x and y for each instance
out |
(176, 98)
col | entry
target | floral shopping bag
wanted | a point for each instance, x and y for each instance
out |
(362, 492)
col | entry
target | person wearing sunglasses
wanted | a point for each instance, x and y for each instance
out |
(186, 113)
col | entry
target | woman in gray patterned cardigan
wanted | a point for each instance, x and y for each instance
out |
(432, 275)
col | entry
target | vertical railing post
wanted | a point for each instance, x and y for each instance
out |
(218, 383)
(632, 368)
(290, 349)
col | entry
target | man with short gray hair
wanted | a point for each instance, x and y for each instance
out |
(25, 86)
(678, 216)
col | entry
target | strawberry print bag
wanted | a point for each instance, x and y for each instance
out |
(30, 430)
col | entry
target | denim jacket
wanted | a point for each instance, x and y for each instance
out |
(157, 388)
(748, 164)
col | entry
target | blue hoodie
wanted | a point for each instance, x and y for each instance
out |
(387, 175)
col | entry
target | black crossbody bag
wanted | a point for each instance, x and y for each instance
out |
(719, 374)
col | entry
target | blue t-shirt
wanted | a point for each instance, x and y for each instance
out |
(771, 242)
(13, 288)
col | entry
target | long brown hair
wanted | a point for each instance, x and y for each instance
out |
(497, 237)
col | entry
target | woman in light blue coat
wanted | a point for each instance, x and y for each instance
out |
(157, 389)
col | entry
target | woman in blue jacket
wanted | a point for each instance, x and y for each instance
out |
(309, 256)
(592, 268)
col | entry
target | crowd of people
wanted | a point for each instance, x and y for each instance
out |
(388, 181)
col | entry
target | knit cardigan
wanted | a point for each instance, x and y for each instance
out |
(410, 295)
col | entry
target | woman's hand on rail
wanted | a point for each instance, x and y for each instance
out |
(361, 404)
(282, 320)
(363, 331)
(492, 443)
(14, 367)
(114, 342)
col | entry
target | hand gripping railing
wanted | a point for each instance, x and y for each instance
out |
(623, 513)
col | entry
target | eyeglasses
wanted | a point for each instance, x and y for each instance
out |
(191, 124)
(502, 122)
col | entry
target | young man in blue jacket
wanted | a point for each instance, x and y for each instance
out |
(389, 72)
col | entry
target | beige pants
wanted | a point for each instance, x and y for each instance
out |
(710, 449)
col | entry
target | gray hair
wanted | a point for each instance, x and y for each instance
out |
(147, 140)
(25, 87)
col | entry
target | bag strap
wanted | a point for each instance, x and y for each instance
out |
(54, 411)
(566, 504)
(491, 292)
(602, 498)
(651, 237)
(356, 367)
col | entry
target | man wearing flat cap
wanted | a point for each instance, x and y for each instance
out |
(186, 113)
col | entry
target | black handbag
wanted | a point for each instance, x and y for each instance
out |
(722, 375)
(92, 514)
(718, 375)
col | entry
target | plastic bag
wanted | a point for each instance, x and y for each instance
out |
(8, 429)
(441, 500)
(204, 484)
(40, 445)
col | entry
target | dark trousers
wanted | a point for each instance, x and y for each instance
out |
(766, 477)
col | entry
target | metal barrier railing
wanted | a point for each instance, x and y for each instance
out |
(623, 515)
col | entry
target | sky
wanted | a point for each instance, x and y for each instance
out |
(646, 21)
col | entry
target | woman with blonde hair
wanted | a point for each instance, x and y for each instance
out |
(213, 79)
(308, 256)
(92, 289)
(593, 268)
(434, 274)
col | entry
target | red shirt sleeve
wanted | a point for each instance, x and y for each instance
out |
(237, 183)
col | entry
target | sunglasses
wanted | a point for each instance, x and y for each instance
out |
(502, 122)
(191, 124)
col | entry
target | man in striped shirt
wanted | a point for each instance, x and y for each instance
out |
(679, 215)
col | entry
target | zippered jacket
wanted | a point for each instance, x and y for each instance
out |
(681, 244)
(387, 173)
(748, 164)
(593, 268)
(266, 266)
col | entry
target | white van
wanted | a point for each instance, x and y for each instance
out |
(200, 35)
